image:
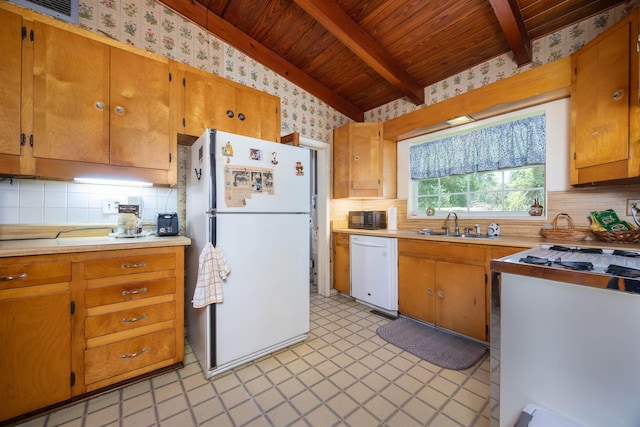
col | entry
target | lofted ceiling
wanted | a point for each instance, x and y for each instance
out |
(356, 55)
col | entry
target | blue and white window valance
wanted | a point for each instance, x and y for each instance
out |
(507, 145)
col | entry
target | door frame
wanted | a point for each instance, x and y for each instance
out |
(323, 151)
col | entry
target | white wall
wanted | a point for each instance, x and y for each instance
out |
(28, 201)
(558, 127)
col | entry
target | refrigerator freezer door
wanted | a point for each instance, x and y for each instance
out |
(260, 176)
(197, 320)
(266, 296)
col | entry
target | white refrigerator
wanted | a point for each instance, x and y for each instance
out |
(251, 198)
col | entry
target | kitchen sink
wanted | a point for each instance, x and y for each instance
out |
(444, 234)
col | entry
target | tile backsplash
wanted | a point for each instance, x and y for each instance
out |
(27, 201)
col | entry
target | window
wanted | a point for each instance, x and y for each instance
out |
(497, 169)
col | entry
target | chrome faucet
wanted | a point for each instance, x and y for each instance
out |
(457, 229)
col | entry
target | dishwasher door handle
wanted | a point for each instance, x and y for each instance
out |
(370, 245)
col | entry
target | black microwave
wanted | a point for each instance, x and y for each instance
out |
(368, 220)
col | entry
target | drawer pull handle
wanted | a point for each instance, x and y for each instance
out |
(136, 291)
(129, 356)
(7, 278)
(142, 264)
(134, 319)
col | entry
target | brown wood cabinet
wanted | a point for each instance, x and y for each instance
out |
(416, 285)
(111, 106)
(35, 326)
(605, 109)
(209, 101)
(80, 322)
(11, 77)
(15, 151)
(341, 263)
(87, 105)
(445, 284)
(364, 163)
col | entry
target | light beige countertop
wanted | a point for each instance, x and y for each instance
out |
(9, 248)
(514, 241)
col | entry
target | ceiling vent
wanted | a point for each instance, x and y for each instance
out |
(66, 10)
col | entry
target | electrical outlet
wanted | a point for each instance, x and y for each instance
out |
(630, 203)
(110, 206)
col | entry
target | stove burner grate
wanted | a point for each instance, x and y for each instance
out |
(628, 254)
(582, 250)
(619, 270)
(571, 265)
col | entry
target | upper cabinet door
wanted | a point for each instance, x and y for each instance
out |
(10, 75)
(209, 103)
(139, 111)
(601, 100)
(366, 158)
(71, 96)
(257, 115)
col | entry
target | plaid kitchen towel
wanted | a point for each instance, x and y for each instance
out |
(212, 270)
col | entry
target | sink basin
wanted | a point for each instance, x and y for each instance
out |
(444, 234)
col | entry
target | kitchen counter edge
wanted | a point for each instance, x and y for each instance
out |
(513, 241)
(28, 247)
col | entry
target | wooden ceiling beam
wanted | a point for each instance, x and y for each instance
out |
(510, 18)
(199, 14)
(338, 23)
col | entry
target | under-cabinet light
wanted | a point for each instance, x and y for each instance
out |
(460, 120)
(107, 181)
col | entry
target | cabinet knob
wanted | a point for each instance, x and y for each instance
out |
(241, 117)
(230, 114)
(356, 158)
(99, 105)
(617, 95)
(119, 110)
(429, 291)
(440, 294)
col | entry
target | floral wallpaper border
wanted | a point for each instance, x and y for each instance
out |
(152, 26)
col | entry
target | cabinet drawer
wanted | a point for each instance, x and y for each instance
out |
(341, 239)
(442, 250)
(30, 274)
(114, 359)
(129, 264)
(124, 320)
(132, 291)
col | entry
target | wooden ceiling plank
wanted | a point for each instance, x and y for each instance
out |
(510, 18)
(241, 41)
(337, 22)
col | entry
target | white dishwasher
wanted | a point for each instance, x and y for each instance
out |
(374, 272)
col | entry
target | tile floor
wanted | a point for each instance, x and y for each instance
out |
(342, 375)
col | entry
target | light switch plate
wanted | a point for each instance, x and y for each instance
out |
(110, 206)
(630, 203)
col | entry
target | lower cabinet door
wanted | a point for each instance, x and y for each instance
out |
(35, 352)
(111, 360)
(417, 288)
(460, 299)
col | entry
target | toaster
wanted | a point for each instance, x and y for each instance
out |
(167, 224)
